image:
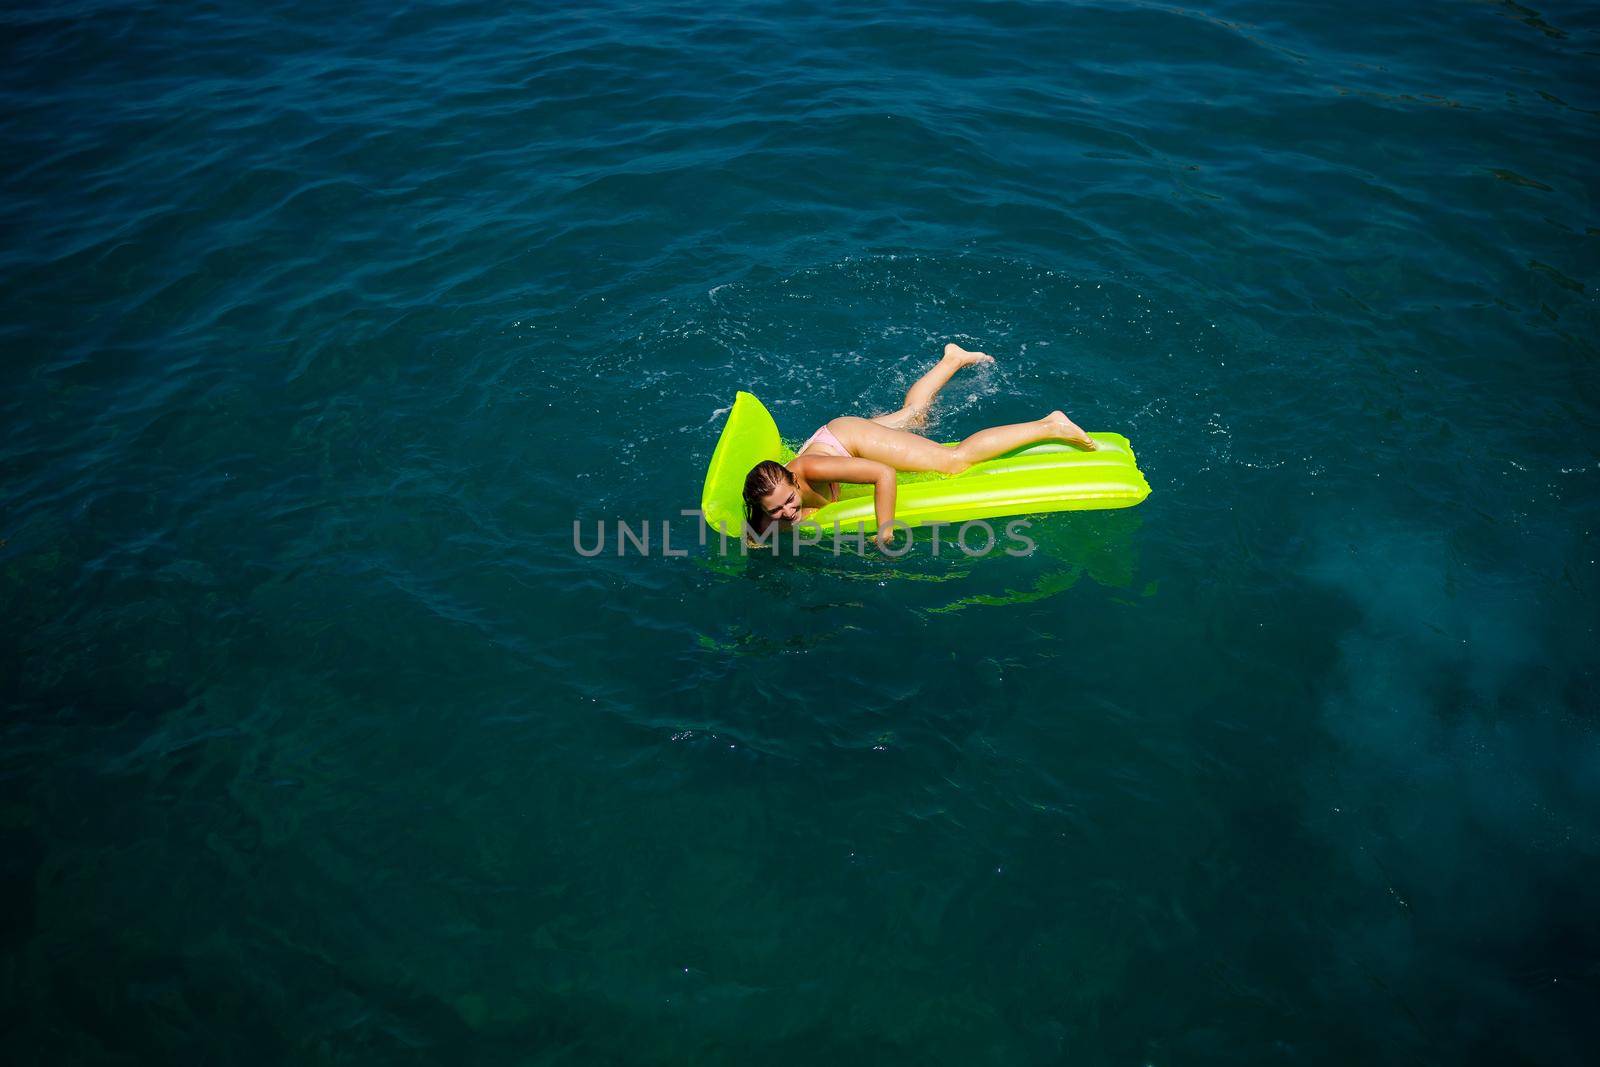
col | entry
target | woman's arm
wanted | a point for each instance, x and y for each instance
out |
(860, 472)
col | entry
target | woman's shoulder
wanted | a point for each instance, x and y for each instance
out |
(824, 489)
(801, 467)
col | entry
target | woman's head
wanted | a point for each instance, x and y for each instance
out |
(770, 495)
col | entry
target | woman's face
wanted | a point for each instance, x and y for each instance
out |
(782, 504)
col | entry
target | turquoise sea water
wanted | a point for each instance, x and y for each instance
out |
(323, 323)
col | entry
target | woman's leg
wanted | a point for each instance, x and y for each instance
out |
(998, 440)
(907, 451)
(919, 398)
(900, 449)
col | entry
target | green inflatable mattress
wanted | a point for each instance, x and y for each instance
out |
(1033, 480)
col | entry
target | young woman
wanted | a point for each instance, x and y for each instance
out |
(870, 451)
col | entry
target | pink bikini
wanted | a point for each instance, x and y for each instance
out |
(827, 437)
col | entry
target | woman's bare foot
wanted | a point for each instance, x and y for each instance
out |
(1070, 431)
(963, 358)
